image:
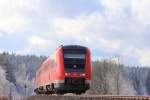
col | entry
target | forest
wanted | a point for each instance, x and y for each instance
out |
(17, 73)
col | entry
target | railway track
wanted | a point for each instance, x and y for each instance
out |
(87, 97)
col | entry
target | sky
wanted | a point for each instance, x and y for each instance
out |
(110, 28)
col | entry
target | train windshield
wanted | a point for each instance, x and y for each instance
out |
(74, 58)
(77, 56)
(74, 62)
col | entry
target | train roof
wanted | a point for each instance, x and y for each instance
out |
(73, 47)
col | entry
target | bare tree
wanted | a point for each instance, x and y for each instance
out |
(139, 79)
(3, 82)
(118, 83)
(147, 83)
(22, 79)
(99, 73)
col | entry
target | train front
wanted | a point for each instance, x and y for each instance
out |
(77, 68)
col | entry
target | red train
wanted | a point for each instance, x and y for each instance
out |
(67, 71)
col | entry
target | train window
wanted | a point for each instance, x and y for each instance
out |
(74, 59)
(75, 63)
(80, 56)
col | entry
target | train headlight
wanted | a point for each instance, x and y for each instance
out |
(67, 74)
(83, 74)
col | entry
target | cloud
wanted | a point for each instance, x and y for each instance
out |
(115, 6)
(13, 24)
(131, 10)
(144, 56)
(38, 44)
(141, 10)
(13, 15)
(121, 29)
(87, 30)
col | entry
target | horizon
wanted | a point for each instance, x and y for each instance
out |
(107, 59)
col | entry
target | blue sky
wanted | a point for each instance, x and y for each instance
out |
(109, 27)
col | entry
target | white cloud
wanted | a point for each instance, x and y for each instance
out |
(129, 51)
(68, 26)
(130, 18)
(141, 10)
(37, 44)
(116, 31)
(78, 26)
(127, 17)
(112, 45)
(32, 5)
(12, 24)
(13, 15)
(86, 30)
(144, 56)
(115, 6)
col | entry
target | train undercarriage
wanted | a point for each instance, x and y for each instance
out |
(77, 86)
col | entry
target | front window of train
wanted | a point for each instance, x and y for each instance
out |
(74, 62)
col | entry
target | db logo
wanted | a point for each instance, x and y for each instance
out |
(74, 66)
